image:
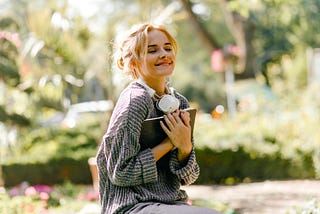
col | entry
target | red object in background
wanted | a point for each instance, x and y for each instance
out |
(219, 57)
(217, 62)
(234, 50)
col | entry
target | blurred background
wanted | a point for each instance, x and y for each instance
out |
(250, 67)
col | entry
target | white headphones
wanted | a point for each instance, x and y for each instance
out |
(167, 103)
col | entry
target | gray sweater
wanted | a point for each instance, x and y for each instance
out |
(128, 175)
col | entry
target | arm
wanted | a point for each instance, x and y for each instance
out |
(183, 161)
(161, 149)
(125, 164)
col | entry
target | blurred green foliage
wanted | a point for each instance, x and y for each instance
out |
(51, 155)
(278, 141)
(44, 144)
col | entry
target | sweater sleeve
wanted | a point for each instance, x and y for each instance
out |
(126, 165)
(187, 173)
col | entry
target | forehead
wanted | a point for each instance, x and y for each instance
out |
(157, 37)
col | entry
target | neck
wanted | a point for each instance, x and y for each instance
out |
(158, 85)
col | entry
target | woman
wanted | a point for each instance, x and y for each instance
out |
(131, 179)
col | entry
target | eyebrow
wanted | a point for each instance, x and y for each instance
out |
(150, 46)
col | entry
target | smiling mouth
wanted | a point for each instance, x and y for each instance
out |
(163, 63)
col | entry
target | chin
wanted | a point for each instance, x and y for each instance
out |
(166, 73)
(168, 70)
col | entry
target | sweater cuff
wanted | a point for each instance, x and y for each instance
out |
(182, 171)
(149, 167)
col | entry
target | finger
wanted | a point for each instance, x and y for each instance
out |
(185, 116)
(169, 121)
(173, 118)
(176, 116)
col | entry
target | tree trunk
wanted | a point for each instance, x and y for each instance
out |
(242, 31)
(200, 29)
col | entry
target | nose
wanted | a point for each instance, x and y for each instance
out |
(163, 54)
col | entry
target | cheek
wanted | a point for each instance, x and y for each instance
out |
(173, 56)
(151, 59)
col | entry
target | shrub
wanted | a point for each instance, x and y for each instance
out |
(51, 156)
(63, 198)
(278, 141)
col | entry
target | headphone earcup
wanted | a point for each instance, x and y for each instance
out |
(168, 103)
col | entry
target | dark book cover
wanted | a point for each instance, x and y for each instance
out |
(152, 133)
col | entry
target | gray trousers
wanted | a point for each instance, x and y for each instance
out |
(176, 208)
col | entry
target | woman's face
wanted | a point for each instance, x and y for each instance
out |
(160, 57)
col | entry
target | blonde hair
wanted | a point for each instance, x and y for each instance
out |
(133, 48)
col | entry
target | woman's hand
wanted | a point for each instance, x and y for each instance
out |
(178, 129)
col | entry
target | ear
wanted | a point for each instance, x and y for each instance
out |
(133, 64)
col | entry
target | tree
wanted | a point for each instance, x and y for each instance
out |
(12, 116)
(10, 72)
(241, 29)
(265, 31)
(48, 64)
(285, 28)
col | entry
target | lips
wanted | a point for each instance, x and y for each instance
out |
(164, 63)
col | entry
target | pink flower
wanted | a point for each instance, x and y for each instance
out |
(44, 196)
(30, 191)
(14, 192)
(43, 188)
(12, 37)
(92, 196)
(89, 196)
(19, 189)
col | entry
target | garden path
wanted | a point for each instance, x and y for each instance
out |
(268, 197)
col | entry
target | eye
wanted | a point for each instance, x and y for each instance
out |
(168, 48)
(152, 50)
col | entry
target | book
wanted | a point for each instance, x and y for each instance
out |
(152, 133)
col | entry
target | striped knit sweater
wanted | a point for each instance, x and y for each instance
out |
(127, 175)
